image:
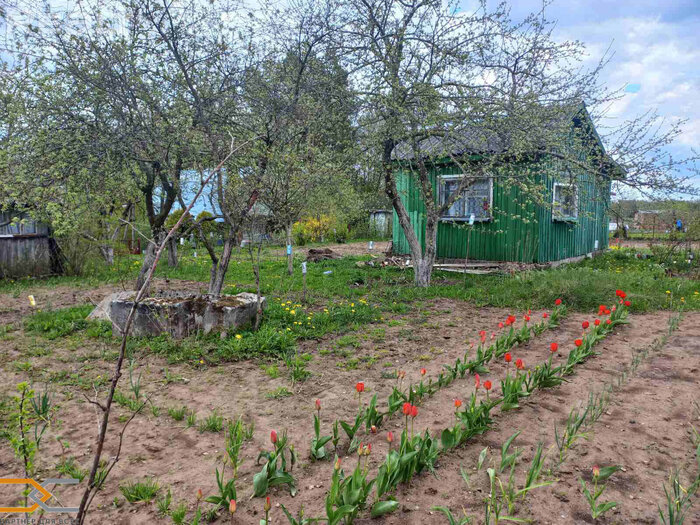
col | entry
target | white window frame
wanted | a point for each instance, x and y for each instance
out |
(555, 205)
(448, 218)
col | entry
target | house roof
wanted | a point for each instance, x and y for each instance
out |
(476, 140)
(467, 140)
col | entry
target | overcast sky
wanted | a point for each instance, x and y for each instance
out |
(656, 45)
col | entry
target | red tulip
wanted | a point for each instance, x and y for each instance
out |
(500, 325)
(596, 471)
(554, 347)
(273, 437)
(596, 322)
(360, 387)
(578, 342)
(268, 505)
(482, 333)
(423, 371)
(585, 324)
(476, 381)
(618, 293)
(337, 464)
(527, 318)
(407, 409)
(519, 364)
(557, 302)
(608, 321)
(545, 315)
(373, 429)
(318, 404)
(508, 357)
(487, 385)
(390, 437)
(232, 506)
(368, 449)
(458, 403)
(627, 303)
(200, 495)
(414, 411)
(510, 320)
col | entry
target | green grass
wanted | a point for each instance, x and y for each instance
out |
(350, 297)
(70, 468)
(145, 490)
(52, 324)
(214, 422)
(177, 413)
(278, 393)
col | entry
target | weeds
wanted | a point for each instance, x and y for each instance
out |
(177, 413)
(140, 491)
(163, 504)
(464, 520)
(70, 468)
(237, 433)
(214, 422)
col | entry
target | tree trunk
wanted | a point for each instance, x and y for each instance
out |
(422, 261)
(148, 259)
(290, 256)
(218, 272)
(107, 252)
(256, 271)
(172, 252)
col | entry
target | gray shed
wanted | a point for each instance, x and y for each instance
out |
(26, 247)
(380, 222)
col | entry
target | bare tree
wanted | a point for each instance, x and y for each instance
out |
(486, 92)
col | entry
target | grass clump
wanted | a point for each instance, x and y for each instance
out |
(53, 324)
(135, 491)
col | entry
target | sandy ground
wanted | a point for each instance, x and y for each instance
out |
(645, 429)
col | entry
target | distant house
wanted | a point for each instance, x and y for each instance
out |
(496, 221)
(26, 247)
(653, 220)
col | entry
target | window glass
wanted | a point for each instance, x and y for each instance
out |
(475, 199)
(565, 205)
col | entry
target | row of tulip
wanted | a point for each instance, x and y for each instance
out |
(418, 453)
(413, 394)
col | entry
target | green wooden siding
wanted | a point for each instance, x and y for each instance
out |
(519, 231)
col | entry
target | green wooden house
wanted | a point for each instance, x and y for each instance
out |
(494, 220)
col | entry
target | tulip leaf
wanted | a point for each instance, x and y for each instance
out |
(382, 508)
(606, 472)
(260, 484)
(447, 438)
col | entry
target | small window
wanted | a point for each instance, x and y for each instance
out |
(565, 202)
(475, 199)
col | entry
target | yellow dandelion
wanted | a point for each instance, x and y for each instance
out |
(292, 312)
(239, 336)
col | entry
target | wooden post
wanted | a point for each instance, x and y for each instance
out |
(469, 236)
(303, 277)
